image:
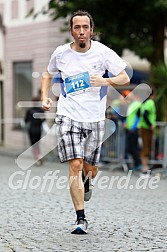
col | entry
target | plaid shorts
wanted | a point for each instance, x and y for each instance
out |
(79, 139)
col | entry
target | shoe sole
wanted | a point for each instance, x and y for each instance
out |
(78, 230)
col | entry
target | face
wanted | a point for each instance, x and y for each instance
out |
(81, 30)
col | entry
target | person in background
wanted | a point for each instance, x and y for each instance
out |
(119, 108)
(147, 125)
(132, 124)
(34, 128)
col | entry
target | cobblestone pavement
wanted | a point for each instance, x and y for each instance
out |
(122, 220)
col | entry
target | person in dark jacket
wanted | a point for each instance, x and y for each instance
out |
(34, 128)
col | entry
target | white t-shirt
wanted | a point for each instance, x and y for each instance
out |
(87, 104)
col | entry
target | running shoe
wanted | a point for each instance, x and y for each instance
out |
(81, 227)
(146, 174)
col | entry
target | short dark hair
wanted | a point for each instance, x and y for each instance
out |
(82, 13)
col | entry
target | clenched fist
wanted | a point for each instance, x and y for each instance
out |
(46, 104)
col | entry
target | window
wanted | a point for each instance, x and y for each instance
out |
(30, 6)
(22, 88)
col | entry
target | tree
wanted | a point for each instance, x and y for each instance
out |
(159, 78)
(137, 25)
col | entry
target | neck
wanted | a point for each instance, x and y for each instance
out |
(77, 47)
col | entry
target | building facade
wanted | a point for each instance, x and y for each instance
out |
(26, 46)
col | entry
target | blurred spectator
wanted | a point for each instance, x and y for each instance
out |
(34, 128)
(119, 107)
(132, 134)
(147, 124)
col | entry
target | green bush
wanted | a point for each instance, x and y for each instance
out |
(159, 81)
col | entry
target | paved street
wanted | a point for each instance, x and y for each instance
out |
(37, 215)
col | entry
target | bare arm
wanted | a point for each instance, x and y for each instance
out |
(45, 87)
(121, 79)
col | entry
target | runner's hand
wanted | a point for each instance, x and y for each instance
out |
(97, 80)
(46, 104)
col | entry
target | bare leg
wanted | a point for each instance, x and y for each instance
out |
(36, 151)
(144, 161)
(76, 183)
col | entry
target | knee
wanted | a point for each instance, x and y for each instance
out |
(76, 166)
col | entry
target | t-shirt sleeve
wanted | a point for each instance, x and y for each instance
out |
(52, 66)
(114, 63)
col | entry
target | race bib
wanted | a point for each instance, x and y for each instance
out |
(77, 84)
